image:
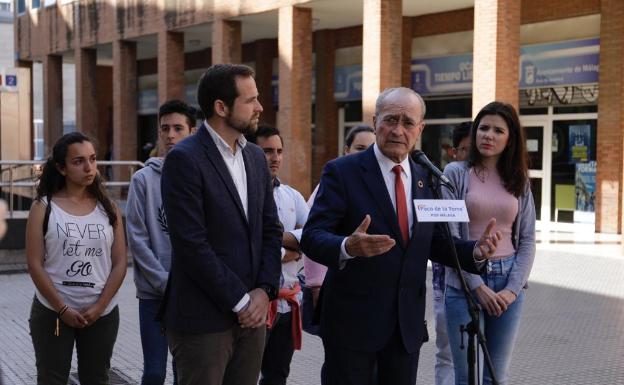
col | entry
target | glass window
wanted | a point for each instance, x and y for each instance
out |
(35, 4)
(573, 148)
(21, 6)
(437, 143)
(449, 108)
(353, 111)
(575, 109)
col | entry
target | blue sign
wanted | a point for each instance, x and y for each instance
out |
(11, 80)
(348, 83)
(556, 64)
(442, 75)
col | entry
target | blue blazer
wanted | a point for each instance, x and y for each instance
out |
(218, 254)
(365, 301)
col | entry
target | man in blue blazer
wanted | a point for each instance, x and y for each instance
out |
(364, 229)
(225, 235)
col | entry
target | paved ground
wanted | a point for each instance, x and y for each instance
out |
(572, 330)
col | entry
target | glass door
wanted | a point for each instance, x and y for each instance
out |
(538, 134)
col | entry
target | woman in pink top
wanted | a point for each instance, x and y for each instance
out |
(494, 182)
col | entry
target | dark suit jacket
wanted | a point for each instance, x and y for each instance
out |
(363, 303)
(218, 254)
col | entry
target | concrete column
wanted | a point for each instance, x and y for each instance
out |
(295, 94)
(381, 51)
(124, 103)
(86, 91)
(52, 101)
(609, 172)
(264, 51)
(226, 41)
(170, 66)
(496, 52)
(406, 52)
(325, 107)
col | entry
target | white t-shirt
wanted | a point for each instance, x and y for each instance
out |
(78, 257)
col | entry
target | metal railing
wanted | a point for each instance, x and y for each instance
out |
(23, 175)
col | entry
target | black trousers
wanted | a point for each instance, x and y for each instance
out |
(278, 352)
(53, 354)
(395, 366)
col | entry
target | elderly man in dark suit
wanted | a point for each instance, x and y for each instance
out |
(225, 234)
(364, 229)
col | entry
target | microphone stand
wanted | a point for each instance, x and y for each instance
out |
(472, 328)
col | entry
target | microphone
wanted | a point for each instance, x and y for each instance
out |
(420, 158)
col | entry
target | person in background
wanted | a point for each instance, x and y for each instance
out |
(494, 182)
(444, 361)
(148, 240)
(284, 321)
(76, 255)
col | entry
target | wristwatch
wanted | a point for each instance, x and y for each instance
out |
(269, 290)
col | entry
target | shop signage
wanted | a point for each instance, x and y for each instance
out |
(555, 70)
(442, 75)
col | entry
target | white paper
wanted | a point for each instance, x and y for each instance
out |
(441, 210)
(532, 145)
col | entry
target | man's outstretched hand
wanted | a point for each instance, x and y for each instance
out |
(360, 244)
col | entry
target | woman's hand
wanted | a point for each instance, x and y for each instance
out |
(93, 313)
(508, 296)
(494, 304)
(73, 318)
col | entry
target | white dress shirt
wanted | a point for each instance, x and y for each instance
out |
(386, 165)
(292, 210)
(235, 164)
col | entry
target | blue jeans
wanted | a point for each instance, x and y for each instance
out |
(500, 332)
(444, 372)
(154, 344)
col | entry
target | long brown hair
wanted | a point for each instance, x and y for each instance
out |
(52, 181)
(513, 164)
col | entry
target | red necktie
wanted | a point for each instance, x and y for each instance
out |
(401, 204)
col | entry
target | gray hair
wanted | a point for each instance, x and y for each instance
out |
(382, 96)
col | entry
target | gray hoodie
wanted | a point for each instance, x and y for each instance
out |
(147, 233)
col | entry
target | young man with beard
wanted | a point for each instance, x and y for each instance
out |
(225, 234)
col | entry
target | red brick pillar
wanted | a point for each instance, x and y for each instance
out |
(226, 41)
(86, 91)
(265, 50)
(325, 107)
(52, 101)
(406, 52)
(609, 172)
(381, 51)
(170, 66)
(124, 101)
(496, 52)
(295, 95)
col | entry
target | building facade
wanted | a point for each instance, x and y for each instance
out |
(320, 65)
